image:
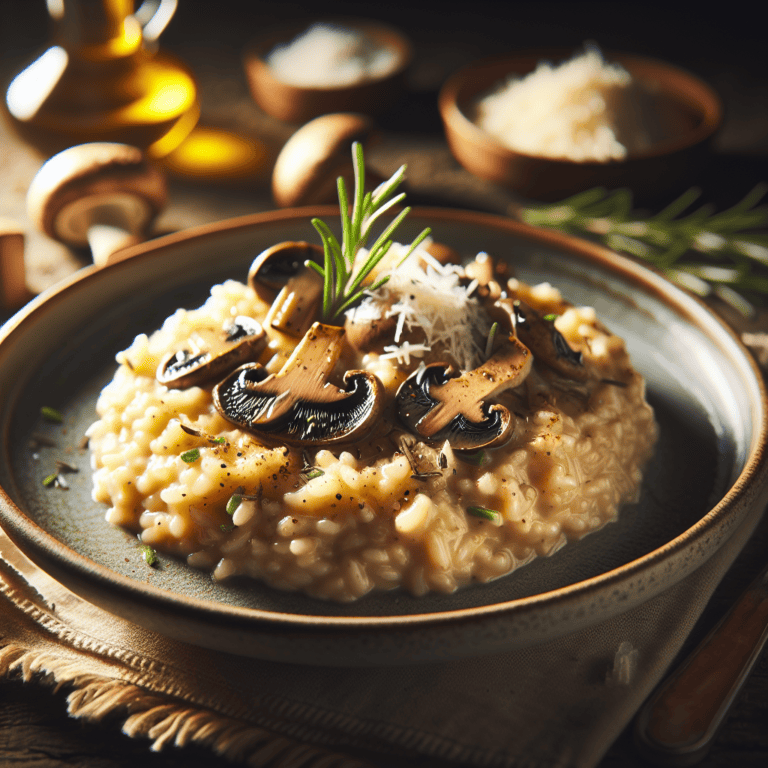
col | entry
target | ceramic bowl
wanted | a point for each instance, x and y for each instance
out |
(703, 492)
(687, 111)
(297, 104)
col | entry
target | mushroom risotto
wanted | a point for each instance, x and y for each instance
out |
(446, 426)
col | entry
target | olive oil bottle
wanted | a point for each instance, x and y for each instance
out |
(103, 78)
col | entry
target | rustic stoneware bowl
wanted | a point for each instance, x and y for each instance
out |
(689, 113)
(704, 489)
(297, 104)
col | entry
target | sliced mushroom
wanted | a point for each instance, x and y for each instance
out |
(280, 276)
(213, 353)
(298, 405)
(546, 342)
(437, 404)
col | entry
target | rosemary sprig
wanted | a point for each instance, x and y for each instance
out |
(343, 279)
(712, 254)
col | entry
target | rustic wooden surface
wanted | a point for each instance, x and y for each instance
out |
(724, 48)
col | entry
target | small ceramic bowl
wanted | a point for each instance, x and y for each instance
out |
(298, 104)
(687, 111)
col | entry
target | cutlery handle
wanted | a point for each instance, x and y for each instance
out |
(677, 724)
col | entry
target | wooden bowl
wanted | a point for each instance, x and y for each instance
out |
(298, 104)
(689, 113)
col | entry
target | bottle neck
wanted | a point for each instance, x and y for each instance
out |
(95, 30)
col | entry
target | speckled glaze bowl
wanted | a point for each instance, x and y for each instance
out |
(689, 114)
(704, 489)
(298, 104)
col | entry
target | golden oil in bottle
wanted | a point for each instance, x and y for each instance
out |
(103, 79)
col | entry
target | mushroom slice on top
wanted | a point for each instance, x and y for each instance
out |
(546, 342)
(213, 353)
(298, 405)
(280, 277)
(436, 404)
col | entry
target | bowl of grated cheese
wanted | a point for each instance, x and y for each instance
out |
(299, 72)
(548, 124)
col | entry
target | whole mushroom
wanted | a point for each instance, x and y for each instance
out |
(316, 155)
(103, 195)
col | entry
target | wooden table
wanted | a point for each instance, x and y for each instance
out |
(725, 50)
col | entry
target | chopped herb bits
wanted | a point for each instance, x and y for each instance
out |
(51, 415)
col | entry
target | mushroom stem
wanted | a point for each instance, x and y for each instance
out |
(105, 240)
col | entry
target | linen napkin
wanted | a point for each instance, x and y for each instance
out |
(559, 704)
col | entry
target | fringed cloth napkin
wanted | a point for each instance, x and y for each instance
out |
(559, 704)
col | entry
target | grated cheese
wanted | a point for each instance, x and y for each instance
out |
(430, 298)
(327, 55)
(578, 110)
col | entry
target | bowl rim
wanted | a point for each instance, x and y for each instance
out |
(751, 479)
(452, 97)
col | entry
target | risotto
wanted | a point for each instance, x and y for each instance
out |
(457, 424)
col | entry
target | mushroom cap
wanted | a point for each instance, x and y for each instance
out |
(309, 163)
(217, 352)
(298, 405)
(70, 189)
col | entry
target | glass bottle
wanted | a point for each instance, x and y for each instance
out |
(103, 78)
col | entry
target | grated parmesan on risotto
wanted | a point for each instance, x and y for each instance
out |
(391, 508)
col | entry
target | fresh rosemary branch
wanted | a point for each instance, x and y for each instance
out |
(707, 252)
(343, 279)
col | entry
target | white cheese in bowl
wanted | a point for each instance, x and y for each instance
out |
(328, 55)
(576, 110)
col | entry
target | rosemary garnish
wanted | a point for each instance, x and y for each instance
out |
(734, 257)
(491, 339)
(342, 278)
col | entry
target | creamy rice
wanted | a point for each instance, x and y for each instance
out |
(390, 510)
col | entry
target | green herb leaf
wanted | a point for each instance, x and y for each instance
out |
(674, 241)
(219, 440)
(233, 503)
(344, 279)
(478, 459)
(313, 473)
(51, 414)
(191, 455)
(149, 554)
(485, 514)
(50, 479)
